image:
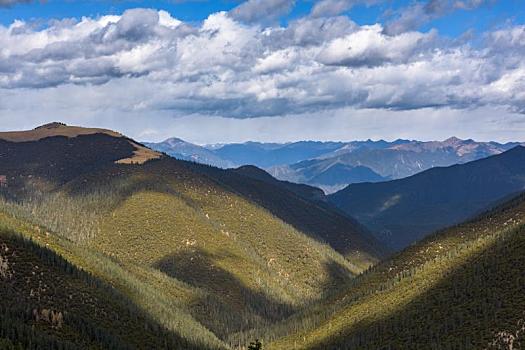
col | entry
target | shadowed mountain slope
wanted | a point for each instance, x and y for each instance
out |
(48, 303)
(205, 253)
(305, 191)
(460, 288)
(403, 211)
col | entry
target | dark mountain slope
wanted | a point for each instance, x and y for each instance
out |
(305, 191)
(61, 159)
(58, 153)
(461, 288)
(48, 303)
(206, 253)
(403, 211)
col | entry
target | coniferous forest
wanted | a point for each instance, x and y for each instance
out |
(160, 253)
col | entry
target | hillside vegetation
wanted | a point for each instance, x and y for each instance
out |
(461, 288)
(196, 252)
(48, 303)
(98, 253)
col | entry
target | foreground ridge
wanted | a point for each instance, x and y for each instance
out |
(460, 288)
(203, 254)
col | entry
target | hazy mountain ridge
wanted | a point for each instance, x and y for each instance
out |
(404, 210)
(333, 165)
(183, 150)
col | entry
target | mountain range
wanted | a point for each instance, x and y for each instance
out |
(183, 150)
(405, 210)
(107, 244)
(333, 165)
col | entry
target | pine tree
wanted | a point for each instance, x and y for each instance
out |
(257, 345)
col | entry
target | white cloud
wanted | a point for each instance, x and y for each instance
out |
(145, 63)
(261, 10)
(370, 47)
(414, 16)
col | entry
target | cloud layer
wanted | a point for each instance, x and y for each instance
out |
(232, 66)
(420, 13)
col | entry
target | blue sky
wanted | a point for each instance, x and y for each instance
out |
(267, 70)
(484, 18)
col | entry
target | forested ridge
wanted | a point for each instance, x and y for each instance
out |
(98, 254)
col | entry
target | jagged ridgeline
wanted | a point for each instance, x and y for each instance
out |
(122, 236)
(460, 288)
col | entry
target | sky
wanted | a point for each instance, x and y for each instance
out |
(267, 70)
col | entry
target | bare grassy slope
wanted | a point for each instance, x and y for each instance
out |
(140, 154)
(53, 129)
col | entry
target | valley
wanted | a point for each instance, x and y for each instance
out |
(262, 175)
(107, 244)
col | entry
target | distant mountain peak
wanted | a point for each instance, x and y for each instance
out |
(453, 139)
(175, 140)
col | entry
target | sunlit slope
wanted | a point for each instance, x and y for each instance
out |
(204, 261)
(457, 289)
(48, 303)
(190, 229)
(143, 291)
(302, 207)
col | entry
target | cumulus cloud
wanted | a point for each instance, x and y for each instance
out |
(419, 13)
(369, 47)
(261, 10)
(146, 61)
(335, 7)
